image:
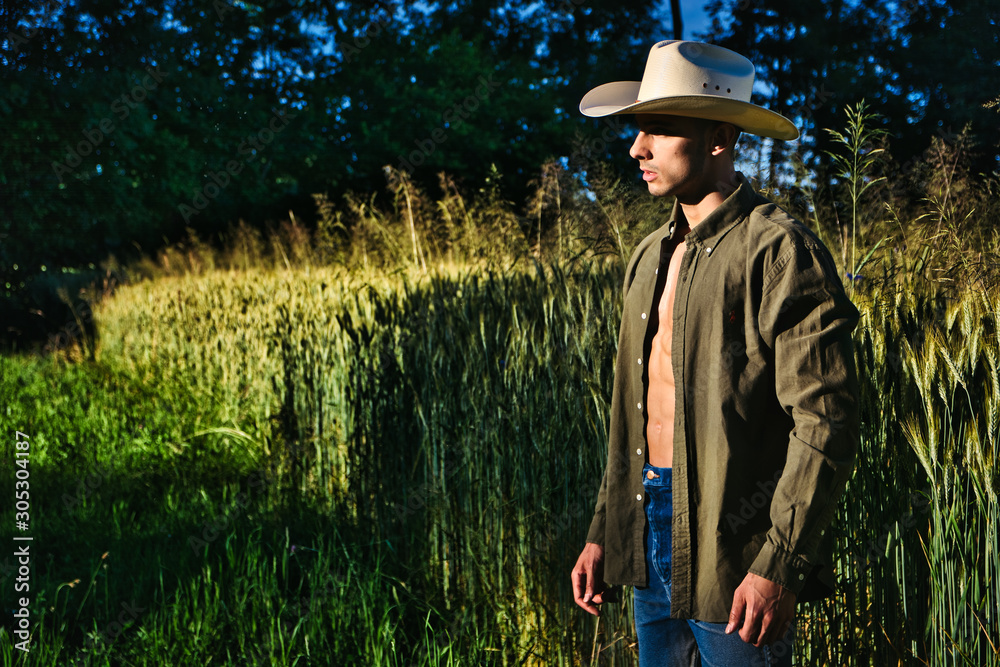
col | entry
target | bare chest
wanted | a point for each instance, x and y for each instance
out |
(665, 308)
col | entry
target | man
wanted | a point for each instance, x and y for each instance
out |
(734, 417)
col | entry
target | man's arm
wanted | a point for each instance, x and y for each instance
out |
(806, 319)
(589, 589)
(762, 611)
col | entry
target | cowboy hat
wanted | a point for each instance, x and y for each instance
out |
(691, 79)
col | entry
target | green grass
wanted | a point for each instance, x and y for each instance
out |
(271, 461)
(431, 446)
(214, 562)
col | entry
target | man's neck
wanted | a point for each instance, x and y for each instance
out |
(720, 190)
(695, 213)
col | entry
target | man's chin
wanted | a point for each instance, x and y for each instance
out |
(657, 190)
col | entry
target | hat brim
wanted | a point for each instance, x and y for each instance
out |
(618, 98)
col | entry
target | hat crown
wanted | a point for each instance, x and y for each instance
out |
(695, 80)
(677, 67)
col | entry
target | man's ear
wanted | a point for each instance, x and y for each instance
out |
(723, 136)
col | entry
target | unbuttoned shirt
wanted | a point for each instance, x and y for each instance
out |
(766, 417)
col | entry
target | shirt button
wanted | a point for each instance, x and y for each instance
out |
(644, 316)
(640, 361)
(657, 271)
(708, 251)
(639, 452)
(639, 405)
(801, 577)
(638, 496)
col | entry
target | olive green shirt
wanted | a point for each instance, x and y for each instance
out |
(766, 417)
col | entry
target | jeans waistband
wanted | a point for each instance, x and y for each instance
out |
(661, 477)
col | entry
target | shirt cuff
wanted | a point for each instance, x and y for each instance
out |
(781, 567)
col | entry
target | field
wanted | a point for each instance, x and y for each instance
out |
(314, 467)
(283, 462)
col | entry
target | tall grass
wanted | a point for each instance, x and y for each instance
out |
(918, 563)
(458, 421)
(459, 417)
(433, 422)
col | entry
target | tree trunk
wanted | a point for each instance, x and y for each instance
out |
(675, 12)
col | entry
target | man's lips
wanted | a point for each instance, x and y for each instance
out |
(648, 175)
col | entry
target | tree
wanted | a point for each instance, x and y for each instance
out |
(922, 64)
(119, 115)
(130, 121)
(472, 84)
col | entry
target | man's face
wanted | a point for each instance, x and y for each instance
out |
(673, 155)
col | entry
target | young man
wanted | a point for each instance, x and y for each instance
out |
(734, 417)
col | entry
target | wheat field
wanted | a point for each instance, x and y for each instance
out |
(380, 442)
(454, 423)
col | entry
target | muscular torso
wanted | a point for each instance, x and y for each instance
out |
(660, 397)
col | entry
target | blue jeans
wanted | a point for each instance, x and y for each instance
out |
(667, 642)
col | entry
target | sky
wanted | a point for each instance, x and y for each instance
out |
(693, 13)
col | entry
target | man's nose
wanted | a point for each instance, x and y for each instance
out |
(640, 147)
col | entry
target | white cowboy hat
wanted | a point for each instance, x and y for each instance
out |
(691, 79)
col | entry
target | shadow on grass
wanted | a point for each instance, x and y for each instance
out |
(142, 561)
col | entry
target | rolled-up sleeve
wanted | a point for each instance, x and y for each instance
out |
(806, 319)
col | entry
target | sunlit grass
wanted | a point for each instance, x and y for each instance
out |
(272, 461)
(451, 427)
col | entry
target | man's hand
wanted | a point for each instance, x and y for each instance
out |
(762, 609)
(589, 589)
